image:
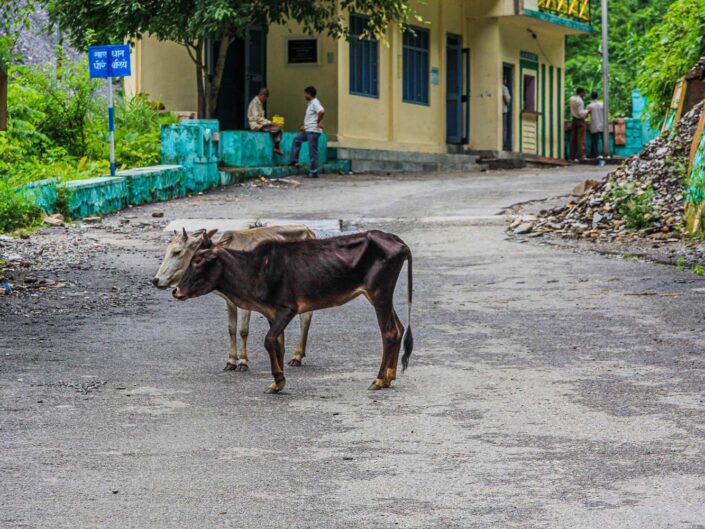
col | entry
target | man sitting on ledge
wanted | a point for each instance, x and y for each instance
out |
(258, 121)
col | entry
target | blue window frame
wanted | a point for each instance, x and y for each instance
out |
(364, 59)
(416, 66)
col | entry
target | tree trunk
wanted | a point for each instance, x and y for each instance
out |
(3, 100)
(214, 87)
(200, 80)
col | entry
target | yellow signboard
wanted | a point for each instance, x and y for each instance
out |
(577, 9)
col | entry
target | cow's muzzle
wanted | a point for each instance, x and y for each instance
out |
(177, 294)
(161, 285)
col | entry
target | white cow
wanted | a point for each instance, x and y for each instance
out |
(178, 256)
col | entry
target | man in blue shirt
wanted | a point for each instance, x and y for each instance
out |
(310, 131)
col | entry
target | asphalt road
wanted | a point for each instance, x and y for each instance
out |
(547, 389)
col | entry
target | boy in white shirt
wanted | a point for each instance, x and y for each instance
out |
(310, 131)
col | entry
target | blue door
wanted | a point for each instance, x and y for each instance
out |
(454, 89)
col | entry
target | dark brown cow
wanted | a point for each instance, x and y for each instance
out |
(283, 279)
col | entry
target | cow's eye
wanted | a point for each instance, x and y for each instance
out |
(177, 251)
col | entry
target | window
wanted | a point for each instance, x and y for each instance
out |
(364, 59)
(416, 66)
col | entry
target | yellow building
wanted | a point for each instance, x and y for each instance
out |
(435, 90)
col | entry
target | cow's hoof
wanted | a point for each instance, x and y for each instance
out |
(374, 387)
(274, 388)
(295, 362)
(230, 367)
(242, 367)
(387, 384)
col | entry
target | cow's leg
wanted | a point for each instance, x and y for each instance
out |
(273, 343)
(391, 373)
(300, 352)
(242, 363)
(282, 349)
(231, 365)
(391, 340)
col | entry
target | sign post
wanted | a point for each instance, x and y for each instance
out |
(110, 61)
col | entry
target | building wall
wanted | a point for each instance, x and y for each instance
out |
(387, 122)
(549, 47)
(491, 31)
(286, 82)
(165, 72)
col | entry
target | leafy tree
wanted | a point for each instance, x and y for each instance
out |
(630, 21)
(675, 46)
(192, 22)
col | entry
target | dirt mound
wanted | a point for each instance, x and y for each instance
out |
(643, 196)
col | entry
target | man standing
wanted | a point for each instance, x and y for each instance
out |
(597, 123)
(507, 116)
(258, 121)
(578, 126)
(310, 131)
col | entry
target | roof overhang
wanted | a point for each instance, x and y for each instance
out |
(569, 25)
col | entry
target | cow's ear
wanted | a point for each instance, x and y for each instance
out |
(205, 242)
(210, 255)
(225, 240)
(210, 233)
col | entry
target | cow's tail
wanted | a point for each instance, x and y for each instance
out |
(408, 336)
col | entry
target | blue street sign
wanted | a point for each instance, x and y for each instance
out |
(120, 60)
(109, 61)
(98, 64)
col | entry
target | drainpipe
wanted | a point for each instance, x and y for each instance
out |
(605, 82)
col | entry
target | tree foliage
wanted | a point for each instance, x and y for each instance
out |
(676, 44)
(192, 22)
(13, 18)
(630, 23)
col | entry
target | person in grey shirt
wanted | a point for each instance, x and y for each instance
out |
(597, 123)
(578, 125)
(310, 131)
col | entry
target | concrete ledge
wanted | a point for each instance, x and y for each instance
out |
(244, 148)
(96, 196)
(153, 184)
(43, 192)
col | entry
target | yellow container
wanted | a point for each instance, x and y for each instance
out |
(278, 120)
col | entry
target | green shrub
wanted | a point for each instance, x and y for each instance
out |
(57, 128)
(674, 46)
(63, 202)
(633, 204)
(16, 210)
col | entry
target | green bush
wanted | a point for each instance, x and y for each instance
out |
(16, 210)
(633, 204)
(137, 128)
(675, 45)
(57, 127)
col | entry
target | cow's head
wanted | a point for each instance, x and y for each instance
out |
(178, 255)
(204, 271)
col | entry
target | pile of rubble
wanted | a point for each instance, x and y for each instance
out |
(642, 197)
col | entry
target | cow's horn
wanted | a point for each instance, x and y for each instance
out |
(185, 235)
